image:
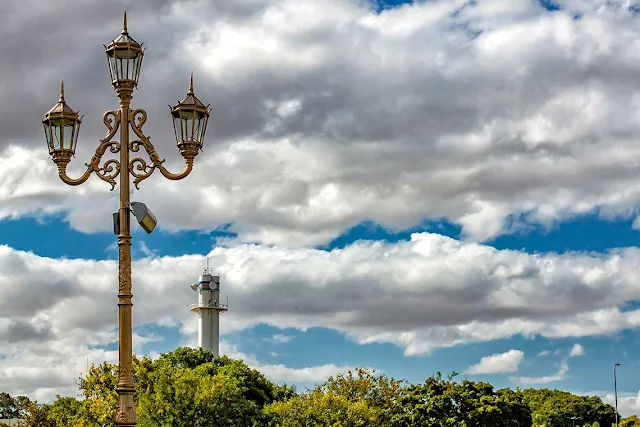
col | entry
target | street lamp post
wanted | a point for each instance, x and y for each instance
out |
(615, 389)
(573, 419)
(61, 126)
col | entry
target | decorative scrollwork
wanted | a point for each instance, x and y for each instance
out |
(135, 145)
(139, 167)
(109, 171)
(140, 170)
(108, 121)
(114, 146)
(141, 120)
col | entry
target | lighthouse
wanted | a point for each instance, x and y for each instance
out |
(208, 309)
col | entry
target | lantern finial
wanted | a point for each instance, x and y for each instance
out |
(124, 24)
(61, 91)
(190, 85)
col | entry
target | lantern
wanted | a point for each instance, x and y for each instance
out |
(61, 127)
(124, 55)
(190, 117)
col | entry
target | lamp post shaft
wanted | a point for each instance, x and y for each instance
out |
(615, 390)
(125, 415)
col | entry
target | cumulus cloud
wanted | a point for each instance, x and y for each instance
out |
(283, 374)
(425, 293)
(628, 403)
(492, 115)
(543, 353)
(536, 381)
(281, 339)
(577, 350)
(498, 363)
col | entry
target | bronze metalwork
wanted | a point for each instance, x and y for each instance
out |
(124, 55)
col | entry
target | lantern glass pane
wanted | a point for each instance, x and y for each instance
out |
(122, 68)
(196, 129)
(47, 134)
(127, 63)
(133, 67)
(69, 133)
(113, 70)
(176, 129)
(203, 128)
(186, 129)
(56, 130)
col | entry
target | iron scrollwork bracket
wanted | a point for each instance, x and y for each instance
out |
(138, 167)
(110, 170)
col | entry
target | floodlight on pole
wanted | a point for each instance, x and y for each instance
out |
(144, 216)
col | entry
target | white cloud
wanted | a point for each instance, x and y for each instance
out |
(628, 403)
(533, 381)
(543, 353)
(281, 339)
(498, 363)
(422, 294)
(281, 373)
(577, 350)
(432, 110)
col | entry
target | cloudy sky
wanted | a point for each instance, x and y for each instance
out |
(443, 185)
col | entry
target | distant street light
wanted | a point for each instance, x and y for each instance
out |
(615, 389)
(61, 128)
(574, 420)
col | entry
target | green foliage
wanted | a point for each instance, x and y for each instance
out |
(363, 399)
(556, 408)
(191, 387)
(632, 421)
(440, 402)
(12, 407)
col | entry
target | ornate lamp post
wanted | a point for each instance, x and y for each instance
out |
(61, 127)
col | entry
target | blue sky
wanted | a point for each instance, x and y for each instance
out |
(412, 187)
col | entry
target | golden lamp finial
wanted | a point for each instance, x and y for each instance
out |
(124, 24)
(61, 91)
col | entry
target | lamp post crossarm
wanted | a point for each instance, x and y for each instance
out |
(110, 169)
(138, 167)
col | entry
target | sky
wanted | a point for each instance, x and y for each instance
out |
(447, 186)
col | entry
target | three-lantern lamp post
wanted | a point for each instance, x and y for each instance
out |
(61, 128)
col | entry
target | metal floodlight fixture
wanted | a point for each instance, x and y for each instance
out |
(144, 216)
(194, 287)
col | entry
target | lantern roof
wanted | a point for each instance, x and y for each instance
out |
(124, 39)
(190, 101)
(61, 109)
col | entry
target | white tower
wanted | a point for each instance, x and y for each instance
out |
(208, 309)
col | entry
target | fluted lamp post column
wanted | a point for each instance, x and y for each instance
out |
(61, 127)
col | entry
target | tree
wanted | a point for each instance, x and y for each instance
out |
(37, 415)
(632, 421)
(557, 408)
(191, 387)
(439, 402)
(12, 407)
(357, 398)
